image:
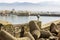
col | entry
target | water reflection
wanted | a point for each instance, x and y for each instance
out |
(25, 19)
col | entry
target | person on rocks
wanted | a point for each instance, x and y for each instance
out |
(38, 17)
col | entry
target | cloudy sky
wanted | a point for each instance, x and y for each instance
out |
(32, 1)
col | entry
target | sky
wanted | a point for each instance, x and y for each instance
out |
(31, 1)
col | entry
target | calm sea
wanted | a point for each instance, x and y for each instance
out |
(25, 19)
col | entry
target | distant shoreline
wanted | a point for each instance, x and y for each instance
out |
(27, 13)
(53, 15)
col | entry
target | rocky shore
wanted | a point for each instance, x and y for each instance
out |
(31, 31)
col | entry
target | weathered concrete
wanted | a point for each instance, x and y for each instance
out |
(41, 39)
(47, 25)
(54, 29)
(6, 35)
(34, 28)
(23, 38)
(39, 24)
(58, 35)
(36, 34)
(32, 32)
(45, 34)
(28, 34)
(53, 38)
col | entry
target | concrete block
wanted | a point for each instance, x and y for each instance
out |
(54, 29)
(33, 26)
(36, 34)
(45, 34)
(28, 34)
